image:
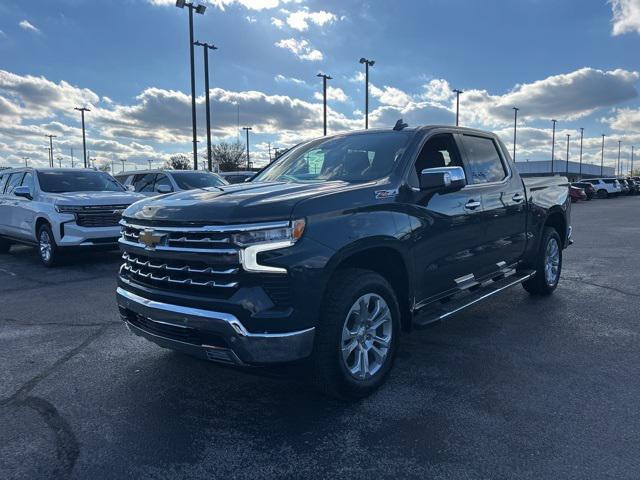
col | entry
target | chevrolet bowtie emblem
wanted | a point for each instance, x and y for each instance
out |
(150, 238)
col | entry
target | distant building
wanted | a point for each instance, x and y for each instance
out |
(575, 171)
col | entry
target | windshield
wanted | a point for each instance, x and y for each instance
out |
(351, 158)
(193, 180)
(80, 181)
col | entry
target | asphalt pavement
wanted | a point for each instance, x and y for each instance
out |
(516, 387)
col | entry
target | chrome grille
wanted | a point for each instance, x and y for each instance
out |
(165, 272)
(100, 215)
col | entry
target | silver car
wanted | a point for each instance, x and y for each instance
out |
(59, 208)
(158, 182)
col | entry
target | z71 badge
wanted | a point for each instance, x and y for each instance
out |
(382, 194)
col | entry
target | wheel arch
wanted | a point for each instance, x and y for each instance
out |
(389, 262)
(557, 220)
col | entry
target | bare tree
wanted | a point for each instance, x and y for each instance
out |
(178, 162)
(104, 167)
(229, 156)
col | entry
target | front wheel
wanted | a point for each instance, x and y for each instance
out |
(47, 248)
(603, 194)
(357, 335)
(548, 265)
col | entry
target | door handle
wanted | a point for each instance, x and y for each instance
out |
(518, 197)
(472, 205)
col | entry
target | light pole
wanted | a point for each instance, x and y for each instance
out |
(84, 141)
(602, 157)
(367, 63)
(553, 144)
(122, 165)
(515, 127)
(72, 162)
(247, 129)
(59, 162)
(51, 137)
(581, 138)
(632, 148)
(200, 10)
(619, 166)
(206, 47)
(458, 92)
(26, 161)
(568, 137)
(324, 96)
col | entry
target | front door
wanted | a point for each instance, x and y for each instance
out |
(446, 227)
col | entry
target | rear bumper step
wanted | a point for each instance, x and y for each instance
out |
(440, 310)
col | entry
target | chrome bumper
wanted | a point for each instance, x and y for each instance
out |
(241, 347)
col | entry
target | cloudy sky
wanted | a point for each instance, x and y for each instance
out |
(575, 61)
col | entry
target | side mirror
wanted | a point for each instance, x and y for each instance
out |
(442, 178)
(23, 191)
(162, 189)
(248, 179)
(130, 188)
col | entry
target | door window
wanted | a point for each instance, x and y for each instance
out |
(485, 164)
(439, 151)
(144, 183)
(14, 181)
(27, 181)
(3, 182)
(162, 179)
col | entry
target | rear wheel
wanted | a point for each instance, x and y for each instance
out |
(548, 265)
(357, 336)
(48, 251)
(5, 245)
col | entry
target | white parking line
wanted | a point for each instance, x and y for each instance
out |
(7, 272)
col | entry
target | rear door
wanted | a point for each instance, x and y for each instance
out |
(3, 210)
(503, 201)
(8, 205)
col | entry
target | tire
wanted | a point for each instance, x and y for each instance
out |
(48, 251)
(336, 373)
(603, 193)
(5, 245)
(547, 269)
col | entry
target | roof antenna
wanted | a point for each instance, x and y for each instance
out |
(400, 125)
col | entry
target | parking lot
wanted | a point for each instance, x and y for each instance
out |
(517, 387)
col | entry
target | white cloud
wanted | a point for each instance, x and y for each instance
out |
(390, 96)
(333, 93)
(437, 90)
(300, 19)
(626, 16)
(251, 19)
(26, 25)
(301, 49)
(276, 22)
(282, 79)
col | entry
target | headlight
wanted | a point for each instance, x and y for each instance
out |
(68, 209)
(290, 233)
(259, 241)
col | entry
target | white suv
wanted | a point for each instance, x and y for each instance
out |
(605, 187)
(56, 208)
(158, 182)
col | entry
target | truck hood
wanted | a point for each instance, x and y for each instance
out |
(94, 198)
(230, 204)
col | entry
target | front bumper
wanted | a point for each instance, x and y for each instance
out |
(210, 335)
(76, 236)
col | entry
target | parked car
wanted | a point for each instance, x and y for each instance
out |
(589, 190)
(605, 187)
(238, 177)
(57, 209)
(577, 193)
(338, 246)
(624, 186)
(634, 187)
(158, 182)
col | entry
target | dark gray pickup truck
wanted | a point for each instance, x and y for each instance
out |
(332, 251)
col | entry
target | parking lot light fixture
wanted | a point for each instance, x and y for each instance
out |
(515, 128)
(553, 143)
(367, 63)
(581, 138)
(84, 140)
(206, 47)
(200, 10)
(247, 129)
(619, 166)
(602, 157)
(324, 96)
(458, 92)
(51, 137)
(568, 138)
